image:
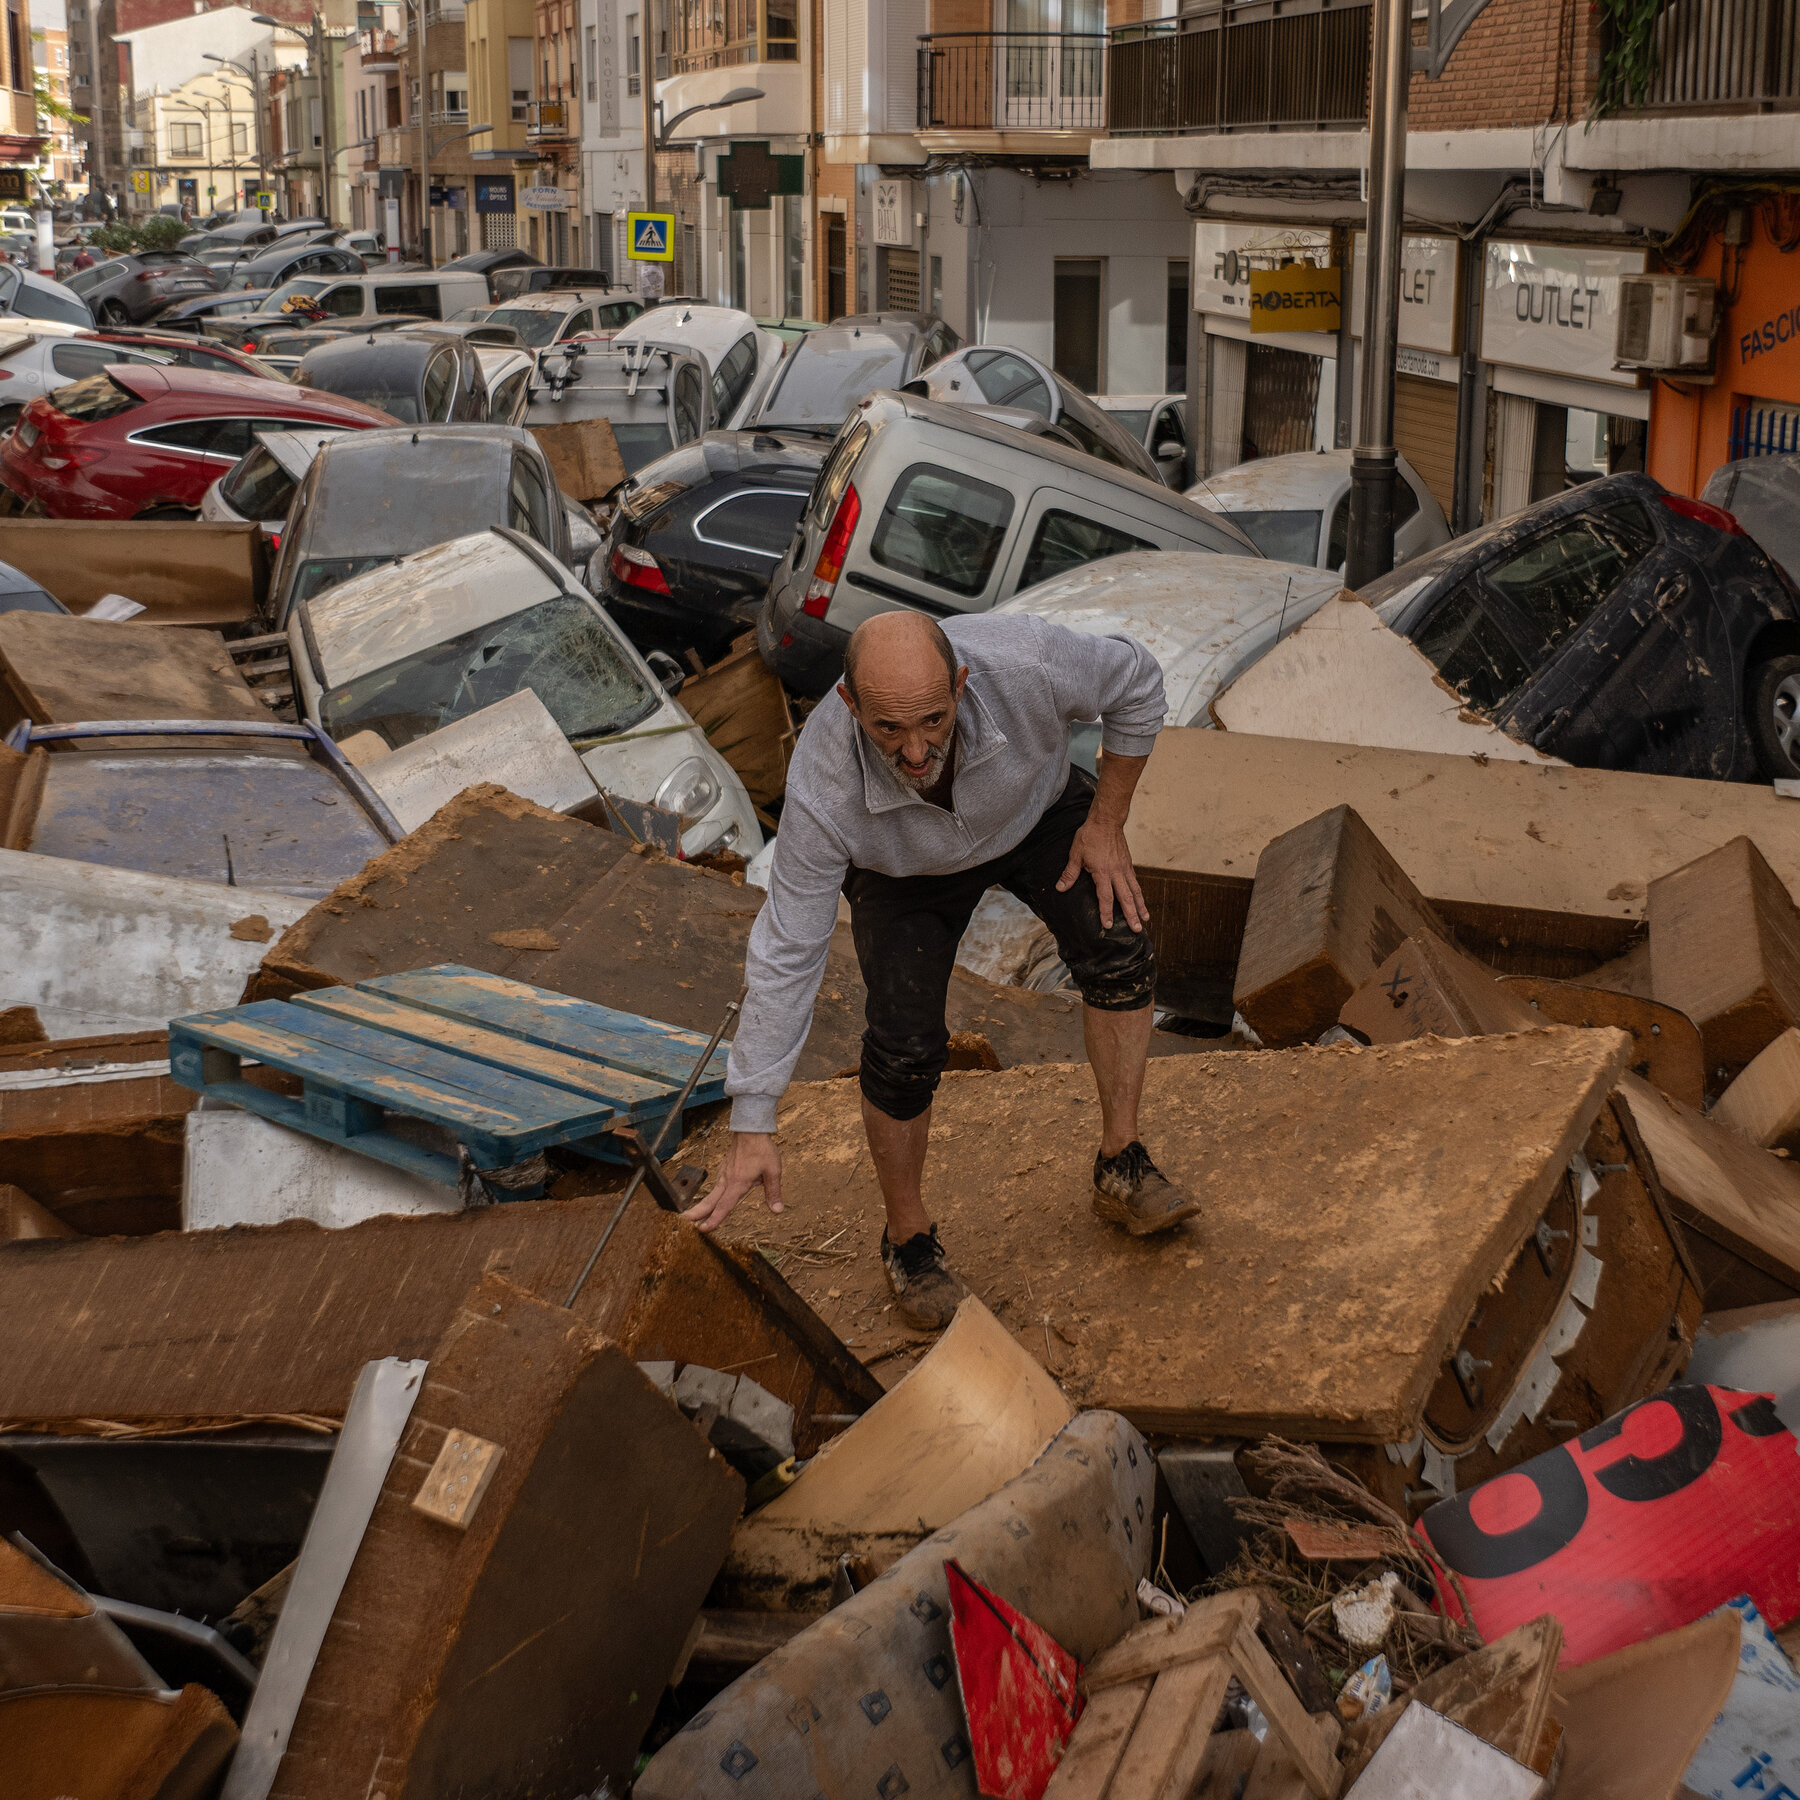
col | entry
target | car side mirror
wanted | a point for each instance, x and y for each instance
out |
(668, 671)
(1170, 452)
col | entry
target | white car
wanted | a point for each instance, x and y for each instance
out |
(48, 356)
(261, 483)
(423, 641)
(507, 373)
(741, 354)
(1156, 421)
(1204, 618)
(1297, 508)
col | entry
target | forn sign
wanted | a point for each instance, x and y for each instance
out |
(1299, 297)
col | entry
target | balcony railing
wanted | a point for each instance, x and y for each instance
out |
(1012, 81)
(550, 121)
(1260, 65)
(1741, 54)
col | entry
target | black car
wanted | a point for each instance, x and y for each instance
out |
(282, 261)
(1617, 626)
(417, 377)
(829, 370)
(698, 533)
(214, 314)
(489, 263)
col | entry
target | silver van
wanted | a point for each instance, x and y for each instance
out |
(936, 507)
(361, 299)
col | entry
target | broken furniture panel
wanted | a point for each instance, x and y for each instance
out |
(1725, 950)
(1428, 988)
(1423, 1170)
(1534, 870)
(52, 1635)
(584, 457)
(520, 1649)
(1330, 906)
(1637, 1527)
(503, 1070)
(1665, 1043)
(181, 571)
(1739, 1206)
(974, 1412)
(172, 946)
(104, 1746)
(182, 1328)
(743, 710)
(865, 1700)
(1763, 1104)
(1344, 678)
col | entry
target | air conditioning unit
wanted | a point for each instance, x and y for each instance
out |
(1667, 324)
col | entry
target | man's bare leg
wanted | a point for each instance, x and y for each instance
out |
(925, 1291)
(1118, 1046)
(1129, 1189)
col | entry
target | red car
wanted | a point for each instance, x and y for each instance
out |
(135, 442)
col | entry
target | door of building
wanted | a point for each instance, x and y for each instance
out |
(1078, 308)
(1281, 401)
(835, 266)
(1425, 433)
(1051, 65)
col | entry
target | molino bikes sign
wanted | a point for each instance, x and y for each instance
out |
(1555, 308)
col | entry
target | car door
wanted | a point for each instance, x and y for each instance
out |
(579, 321)
(528, 505)
(1623, 619)
(211, 440)
(1062, 530)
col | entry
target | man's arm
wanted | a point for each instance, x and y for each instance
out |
(782, 969)
(1100, 847)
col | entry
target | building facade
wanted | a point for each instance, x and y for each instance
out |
(60, 163)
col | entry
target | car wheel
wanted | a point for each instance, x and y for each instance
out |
(1775, 715)
(112, 313)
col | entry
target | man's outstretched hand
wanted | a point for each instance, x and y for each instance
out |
(751, 1158)
(1100, 848)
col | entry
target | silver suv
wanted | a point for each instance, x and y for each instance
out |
(938, 508)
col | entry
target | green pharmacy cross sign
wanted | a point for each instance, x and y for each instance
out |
(749, 175)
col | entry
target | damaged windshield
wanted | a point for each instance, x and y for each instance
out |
(561, 650)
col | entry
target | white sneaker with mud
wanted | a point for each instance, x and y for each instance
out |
(1130, 1190)
(927, 1293)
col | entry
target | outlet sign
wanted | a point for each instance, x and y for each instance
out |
(1428, 298)
(1555, 308)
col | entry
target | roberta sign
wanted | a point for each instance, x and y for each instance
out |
(1555, 308)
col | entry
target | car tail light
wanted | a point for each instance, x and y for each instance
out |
(71, 456)
(147, 275)
(637, 568)
(1702, 514)
(831, 556)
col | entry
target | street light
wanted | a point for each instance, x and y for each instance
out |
(657, 137)
(318, 39)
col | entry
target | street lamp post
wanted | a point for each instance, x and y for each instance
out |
(318, 44)
(656, 134)
(254, 75)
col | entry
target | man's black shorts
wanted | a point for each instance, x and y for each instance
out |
(907, 929)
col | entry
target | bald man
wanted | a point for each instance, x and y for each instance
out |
(941, 769)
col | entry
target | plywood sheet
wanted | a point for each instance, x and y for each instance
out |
(740, 706)
(1355, 1204)
(1557, 862)
(584, 457)
(1345, 678)
(181, 571)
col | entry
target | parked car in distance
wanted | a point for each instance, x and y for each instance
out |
(401, 651)
(211, 314)
(413, 376)
(508, 376)
(791, 331)
(19, 593)
(528, 278)
(1159, 423)
(542, 319)
(279, 351)
(283, 260)
(356, 300)
(25, 294)
(937, 508)
(994, 375)
(32, 364)
(127, 290)
(191, 352)
(698, 533)
(488, 263)
(823, 376)
(246, 234)
(1296, 508)
(1763, 494)
(655, 400)
(1618, 626)
(260, 485)
(482, 330)
(742, 356)
(361, 504)
(135, 442)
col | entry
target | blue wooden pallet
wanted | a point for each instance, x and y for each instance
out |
(506, 1069)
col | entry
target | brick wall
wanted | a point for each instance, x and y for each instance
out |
(1523, 62)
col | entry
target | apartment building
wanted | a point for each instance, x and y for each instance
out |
(60, 162)
(22, 142)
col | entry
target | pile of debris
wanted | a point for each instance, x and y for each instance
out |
(370, 1423)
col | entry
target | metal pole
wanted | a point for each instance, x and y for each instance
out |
(422, 59)
(647, 87)
(1372, 464)
(321, 49)
(97, 114)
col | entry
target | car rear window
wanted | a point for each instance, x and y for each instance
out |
(763, 523)
(1065, 541)
(640, 444)
(258, 488)
(560, 649)
(943, 528)
(1008, 380)
(30, 302)
(1470, 650)
(1285, 536)
(96, 397)
(1558, 580)
(822, 387)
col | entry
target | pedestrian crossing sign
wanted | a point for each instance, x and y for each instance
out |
(651, 236)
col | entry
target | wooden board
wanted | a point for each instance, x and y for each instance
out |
(743, 711)
(1355, 1206)
(1330, 905)
(59, 671)
(1763, 1104)
(181, 571)
(1665, 1044)
(1428, 987)
(584, 457)
(1536, 871)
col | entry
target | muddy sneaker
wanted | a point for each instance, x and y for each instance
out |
(1130, 1190)
(927, 1292)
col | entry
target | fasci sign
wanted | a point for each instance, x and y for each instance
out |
(1555, 307)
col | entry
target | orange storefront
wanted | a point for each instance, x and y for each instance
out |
(1752, 405)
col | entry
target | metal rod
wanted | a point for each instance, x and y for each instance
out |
(656, 1143)
(1372, 465)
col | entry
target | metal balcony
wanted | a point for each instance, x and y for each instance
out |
(550, 122)
(1012, 81)
(1256, 66)
(1736, 55)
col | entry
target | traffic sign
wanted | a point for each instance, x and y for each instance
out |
(651, 236)
(140, 181)
(265, 201)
